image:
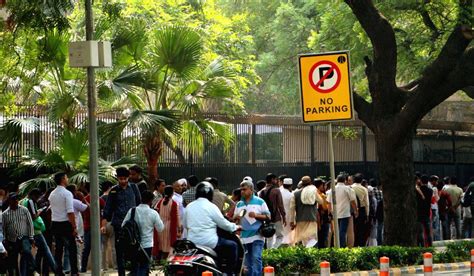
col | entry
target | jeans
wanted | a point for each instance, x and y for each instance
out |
(22, 247)
(445, 226)
(86, 251)
(62, 233)
(142, 268)
(343, 224)
(456, 217)
(44, 253)
(253, 258)
(323, 235)
(424, 232)
(379, 232)
(467, 228)
(229, 250)
(436, 225)
(119, 251)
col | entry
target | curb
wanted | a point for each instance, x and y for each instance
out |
(446, 242)
(408, 270)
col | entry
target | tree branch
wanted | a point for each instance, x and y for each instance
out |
(382, 37)
(452, 50)
(428, 97)
(364, 109)
(435, 33)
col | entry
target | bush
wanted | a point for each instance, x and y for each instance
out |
(289, 260)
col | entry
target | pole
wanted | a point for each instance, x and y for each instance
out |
(333, 188)
(93, 164)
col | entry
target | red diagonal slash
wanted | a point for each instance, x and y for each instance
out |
(325, 76)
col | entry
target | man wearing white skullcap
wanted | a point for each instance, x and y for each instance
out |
(286, 196)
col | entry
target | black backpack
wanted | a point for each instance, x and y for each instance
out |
(130, 238)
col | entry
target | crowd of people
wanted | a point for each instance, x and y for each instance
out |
(50, 231)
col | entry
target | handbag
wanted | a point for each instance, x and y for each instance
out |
(267, 229)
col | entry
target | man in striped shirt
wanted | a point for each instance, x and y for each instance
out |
(18, 232)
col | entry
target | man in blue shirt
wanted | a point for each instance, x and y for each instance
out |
(256, 212)
(122, 198)
(202, 218)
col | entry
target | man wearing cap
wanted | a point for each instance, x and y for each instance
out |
(272, 196)
(256, 212)
(304, 211)
(19, 237)
(286, 196)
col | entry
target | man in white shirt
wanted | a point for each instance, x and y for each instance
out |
(202, 218)
(286, 196)
(147, 220)
(63, 226)
(345, 198)
(178, 198)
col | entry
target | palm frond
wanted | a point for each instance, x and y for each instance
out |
(74, 148)
(45, 180)
(150, 121)
(79, 178)
(179, 49)
(12, 130)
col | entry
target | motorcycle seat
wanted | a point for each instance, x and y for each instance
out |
(207, 250)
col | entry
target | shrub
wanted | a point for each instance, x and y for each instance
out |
(289, 260)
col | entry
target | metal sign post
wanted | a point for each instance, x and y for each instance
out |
(326, 96)
(333, 188)
(93, 163)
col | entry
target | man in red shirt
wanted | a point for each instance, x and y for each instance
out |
(86, 215)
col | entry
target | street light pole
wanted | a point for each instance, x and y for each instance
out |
(93, 163)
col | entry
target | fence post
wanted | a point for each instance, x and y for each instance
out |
(472, 262)
(325, 268)
(428, 263)
(384, 266)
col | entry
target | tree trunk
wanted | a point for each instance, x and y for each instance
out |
(396, 169)
(153, 148)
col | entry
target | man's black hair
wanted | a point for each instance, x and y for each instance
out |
(270, 177)
(358, 178)
(261, 184)
(192, 180)
(34, 192)
(318, 182)
(453, 180)
(136, 168)
(341, 178)
(106, 185)
(58, 177)
(214, 182)
(373, 182)
(147, 197)
(283, 176)
(424, 179)
(433, 178)
(122, 172)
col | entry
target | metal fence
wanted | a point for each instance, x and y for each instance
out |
(266, 143)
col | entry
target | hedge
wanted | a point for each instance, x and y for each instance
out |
(289, 260)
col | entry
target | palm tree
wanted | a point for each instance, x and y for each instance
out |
(177, 81)
(71, 155)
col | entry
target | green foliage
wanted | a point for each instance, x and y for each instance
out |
(307, 260)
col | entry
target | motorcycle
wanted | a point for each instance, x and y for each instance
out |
(190, 259)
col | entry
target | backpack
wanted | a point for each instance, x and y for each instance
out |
(266, 198)
(129, 238)
(466, 202)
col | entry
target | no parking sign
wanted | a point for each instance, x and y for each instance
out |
(325, 87)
